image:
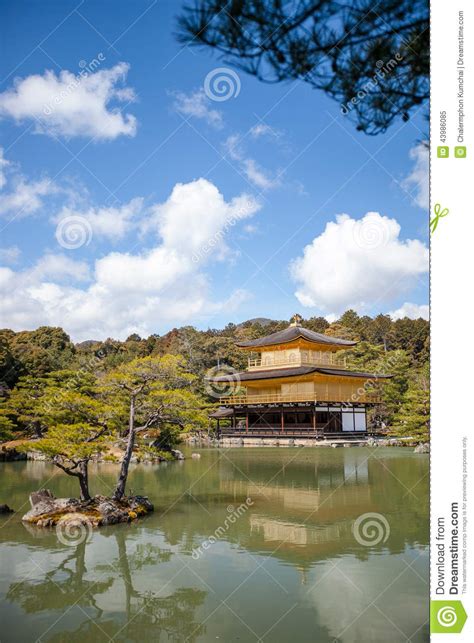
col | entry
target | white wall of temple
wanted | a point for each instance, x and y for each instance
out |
(354, 419)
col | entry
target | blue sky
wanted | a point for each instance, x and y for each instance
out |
(188, 209)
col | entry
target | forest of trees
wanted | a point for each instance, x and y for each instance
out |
(99, 377)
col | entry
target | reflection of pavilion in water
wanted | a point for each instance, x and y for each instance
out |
(314, 522)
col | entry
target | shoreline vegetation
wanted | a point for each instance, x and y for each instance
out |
(134, 401)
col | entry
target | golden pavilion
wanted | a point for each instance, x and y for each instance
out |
(297, 384)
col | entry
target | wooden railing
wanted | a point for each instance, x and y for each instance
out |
(372, 398)
(270, 362)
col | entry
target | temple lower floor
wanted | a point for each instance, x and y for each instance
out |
(292, 420)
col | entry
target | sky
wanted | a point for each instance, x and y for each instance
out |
(146, 185)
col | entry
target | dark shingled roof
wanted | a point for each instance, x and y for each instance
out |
(296, 371)
(292, 333)
(221, 412)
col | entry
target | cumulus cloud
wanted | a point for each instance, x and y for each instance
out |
(355, 263)
(412, 311)
(111, 223)
(68, 105)
(418, 181)
(196, 218)
(197, 105)
(140, 292)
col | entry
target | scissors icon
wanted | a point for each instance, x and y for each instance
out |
(439, 213)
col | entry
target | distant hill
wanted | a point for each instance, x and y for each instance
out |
(88, 343)
(263, 321)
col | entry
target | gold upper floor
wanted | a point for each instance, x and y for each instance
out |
(295, 356)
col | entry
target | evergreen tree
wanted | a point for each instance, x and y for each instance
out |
(413, 418)
(155, 393)
(79, 424)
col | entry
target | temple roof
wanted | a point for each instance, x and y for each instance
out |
(296, 371)
(292, 333)
(221, 412)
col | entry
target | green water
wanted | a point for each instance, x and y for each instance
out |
(283, 566)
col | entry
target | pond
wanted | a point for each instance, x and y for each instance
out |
(264, 544)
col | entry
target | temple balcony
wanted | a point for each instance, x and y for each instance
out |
(276, 398)
(265, 362)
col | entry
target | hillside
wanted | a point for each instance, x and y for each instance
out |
(400, 348)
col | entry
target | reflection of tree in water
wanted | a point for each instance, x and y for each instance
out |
(145, 615)
(61, 587)
(150, 619)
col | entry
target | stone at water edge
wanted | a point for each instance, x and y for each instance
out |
(196, 456)
(46, 505)
(177, 454)
(422, 448)
(39, 496)
(100, 510)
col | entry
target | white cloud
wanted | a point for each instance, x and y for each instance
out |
(418, 180)
(134, 292)
(11, 254)
(26, 197)
(68, 105)
(250, 168)
(3, 164)
(355, 263)
(258, 175)
(59, 267)
(263, 130)
(195, 218)
(21, 196)
(197, 105)
(112, 223)
(412, 311)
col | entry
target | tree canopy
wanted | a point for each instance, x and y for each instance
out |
(178, 362)
(78, 414)
(372, 58)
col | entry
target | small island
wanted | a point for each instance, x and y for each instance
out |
(134, 411)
